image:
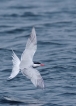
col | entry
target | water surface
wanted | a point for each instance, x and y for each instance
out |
(55, 23)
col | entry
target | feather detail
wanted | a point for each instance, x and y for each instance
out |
(15, 69)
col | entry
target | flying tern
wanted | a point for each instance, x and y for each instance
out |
(26, 64)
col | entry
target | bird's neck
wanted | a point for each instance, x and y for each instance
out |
(36, 65)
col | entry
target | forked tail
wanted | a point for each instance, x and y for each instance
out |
(15, 68)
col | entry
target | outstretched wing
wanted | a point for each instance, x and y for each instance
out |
(34, 76)
(16, 63)
(32, 42)
(31, 46)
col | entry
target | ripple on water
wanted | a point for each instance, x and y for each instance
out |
(56, 34)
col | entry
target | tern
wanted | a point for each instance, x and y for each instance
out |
(26, 64)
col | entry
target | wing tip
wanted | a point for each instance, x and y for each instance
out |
(33, 30)
(40, 83)
(9, 78)
(42, 86)
(12, 50)
(33, 27)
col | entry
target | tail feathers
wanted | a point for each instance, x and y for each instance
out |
(15, 69)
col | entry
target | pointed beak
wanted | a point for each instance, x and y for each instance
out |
(41, 64)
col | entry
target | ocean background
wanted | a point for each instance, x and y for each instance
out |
(55, 24)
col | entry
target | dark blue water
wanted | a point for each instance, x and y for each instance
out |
(55, 23)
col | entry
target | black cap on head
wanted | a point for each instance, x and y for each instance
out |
(36, 62)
